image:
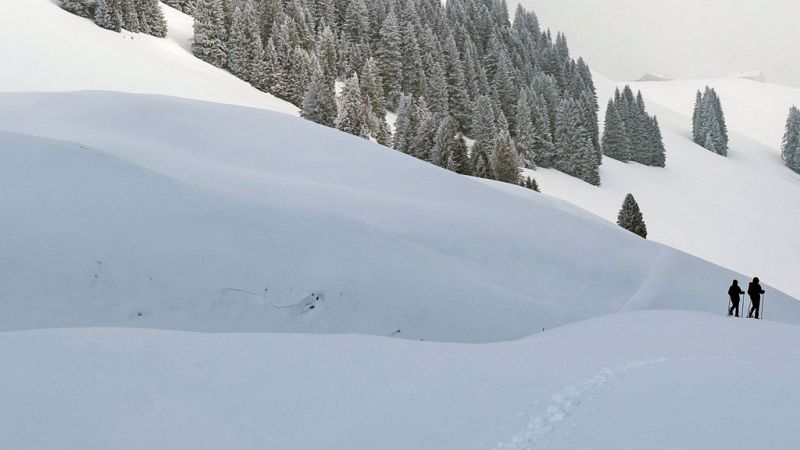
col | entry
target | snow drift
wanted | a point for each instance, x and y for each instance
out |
(626, 381)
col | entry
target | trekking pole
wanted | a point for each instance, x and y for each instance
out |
(763, 301)
(730, 305)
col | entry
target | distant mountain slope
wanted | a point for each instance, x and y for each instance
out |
(201, 216)
(681, 38)
(48, 49)
(742, 212)
(653, 380)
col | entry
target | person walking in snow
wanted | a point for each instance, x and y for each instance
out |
(734, 292)
(754, 290)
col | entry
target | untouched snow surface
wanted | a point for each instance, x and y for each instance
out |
(161, 212)
(48, 49)
(742, 212)
(644, 380)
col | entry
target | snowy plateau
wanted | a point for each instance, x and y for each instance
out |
(186, 264)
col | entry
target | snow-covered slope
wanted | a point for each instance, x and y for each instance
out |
(204, 216)
(48, 49)
(742, 212)
(623, 382)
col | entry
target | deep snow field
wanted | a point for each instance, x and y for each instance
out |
(185, 265)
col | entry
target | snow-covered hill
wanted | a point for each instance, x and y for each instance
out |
(742, 212)
(626, 381)
(161, 212)
(47, 49)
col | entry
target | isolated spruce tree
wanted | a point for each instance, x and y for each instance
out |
(630, 217)
(790, 148)
(352, 116)
(209, 32)
(505, 160)
(319, 102)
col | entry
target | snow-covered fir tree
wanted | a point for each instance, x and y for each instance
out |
(630, 217)
(108, 14)
(790, 148)
(319, 102)
(404, 126)
(186, 6)
(708, 122)
(530, 183)
(210, 34)
(462, 59)
(616, 143)
(505, 160)
(245, 51)
(575, 154)
(82, 8)
(352, 117)
(630, 133)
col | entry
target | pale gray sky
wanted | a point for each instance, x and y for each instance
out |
(623, 39)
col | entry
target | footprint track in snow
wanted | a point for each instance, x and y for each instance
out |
(565, 401)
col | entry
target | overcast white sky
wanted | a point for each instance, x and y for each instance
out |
(623, 39)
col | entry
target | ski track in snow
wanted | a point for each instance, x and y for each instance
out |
(564, 402)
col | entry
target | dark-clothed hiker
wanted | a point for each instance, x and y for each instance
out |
(734, 293)
(754, 291)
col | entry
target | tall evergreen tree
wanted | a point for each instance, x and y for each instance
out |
(404, 127)
(484, 129)
(616, 143)
(319, 102)
(505, 160)
(525, 139)
(574, 149)
(390, 61)
(352, 116)
(209, 32)
(790, 148)
(427, 125)
(458, 160)
(107, 14)
(708, 123)
(245, 51)
(630, 217)
(151, 19)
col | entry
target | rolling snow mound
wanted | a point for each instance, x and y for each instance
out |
(146, 211)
